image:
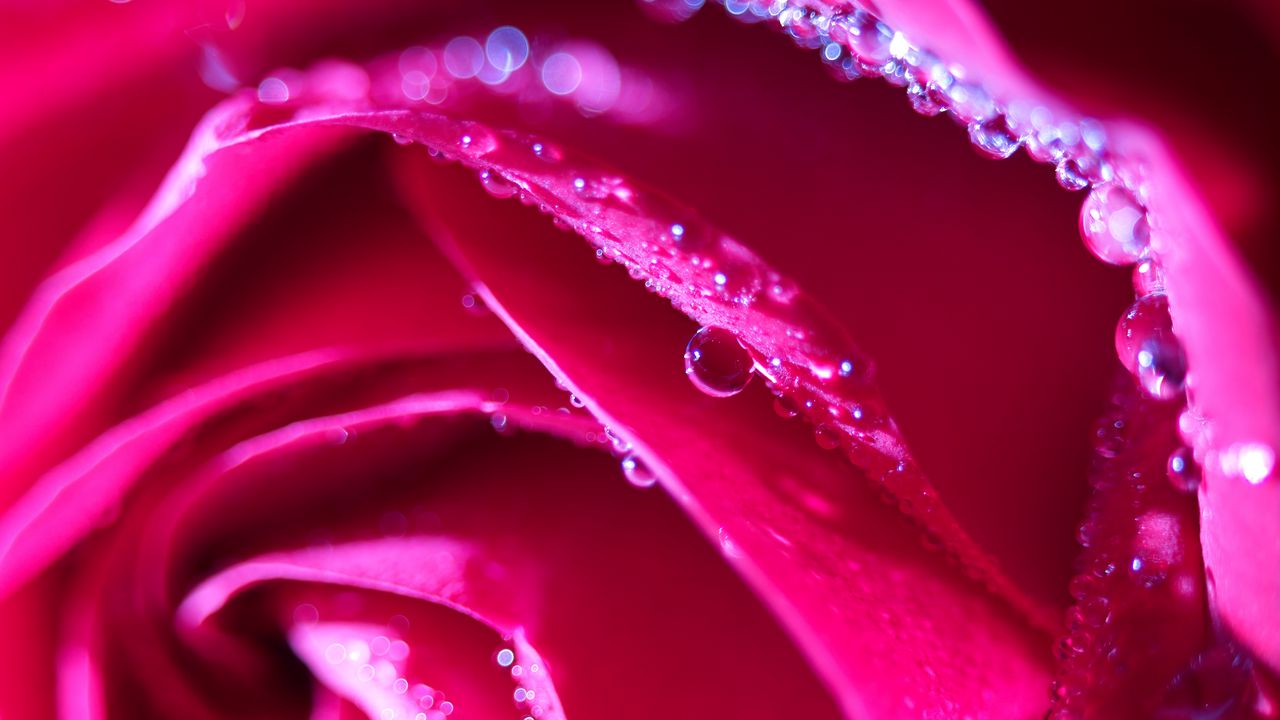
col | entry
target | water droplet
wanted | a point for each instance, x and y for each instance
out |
(617, 443)
(1070, 175)
(546, 151)
(717, 363)
(969, 104)
(785, 407)
(505, 657)
(477, 141)
(926, 99)
(1148, 348)
(594, 188)
(496, 185)
(828, 437)
(867, 37)
(1184, 474)
(994, 137)
(1114, 226)
(1148, 277)
(638, 472)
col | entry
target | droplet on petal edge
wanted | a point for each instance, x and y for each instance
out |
(717, 363)
(1114, 225)
(1147, 347)
(638, 472)
(1184, 473)
(789, 334)
(994, 138)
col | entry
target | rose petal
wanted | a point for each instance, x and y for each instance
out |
(1222, 318)
(90, 487)
(668, 644)
(1139, 617)
(106, 300)
(855, 575)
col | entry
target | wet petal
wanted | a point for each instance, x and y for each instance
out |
(840, 568)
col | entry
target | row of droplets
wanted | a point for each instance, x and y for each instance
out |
(717, 361)
(525, 696)
(382, 660)
(1115, 223)
(535, 70)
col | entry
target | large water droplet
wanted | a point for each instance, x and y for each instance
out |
(926, 99)
(1184, 474)
(1114, 226)
(994, 138)
(1148, 348)
(717, 363)
(496, 185)
(969, 103)
(618, 445)
(866, 36)
(476, 140)
(638, 473)
(1070, 176)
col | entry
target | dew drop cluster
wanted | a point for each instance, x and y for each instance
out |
(1115, 221)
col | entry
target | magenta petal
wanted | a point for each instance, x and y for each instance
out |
(1139, 617)
(360, 662)
(107, 299)
(1231, 339)
(73, 497)
(1221, 316)
(83, 492)
(513, 512)
(842, 569)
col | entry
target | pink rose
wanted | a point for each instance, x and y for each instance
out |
(330, 416)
